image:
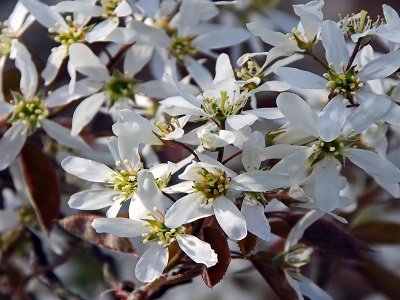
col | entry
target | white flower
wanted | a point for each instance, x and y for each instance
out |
(148, 221)
(210, 187)
(332, 139)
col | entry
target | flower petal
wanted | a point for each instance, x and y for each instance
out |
(327, 185)
(11, 144)
(332, 119)
(199, 251)
(152, 263)
(183, 209)
(256, 221)
(87, 169)
(335, 46)
(230, 218)
(381, 67)
(300, 78)
(259, 181)
(121, 227)
(92, 199)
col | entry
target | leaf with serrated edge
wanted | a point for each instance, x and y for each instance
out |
(41, 181)
(80, 225)
(217, 240)
(248, 244)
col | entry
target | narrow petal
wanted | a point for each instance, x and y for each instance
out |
(327, 185)
(149, 193)
(25, 65)
(199, 73)
(259, 181)
(298, 112)
(268, 113)
(148, 35)
(199, 251)
(221, 38)
(102, 29)
(87, 169)
(152, 263)
(237, 122)
(301, 79)
(309, 289)
(121, 227)
(381, 67)
(256, 221)
(374, 165)
(44, 14)
(8, 219)
(335, 46)
(87, 63)
(80, 6)
(63, 135)
(332, 119)
(136, 57)
(85, 112)
(92, 199)
(268, 36)
(183, 209)
(53, 64)
(230, 218)
(11, 144)
(392, 114)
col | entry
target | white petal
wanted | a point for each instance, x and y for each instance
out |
(199, 251)
(293, 163)
(298, 112)
(92, 199)
(332, 119)
(136, 57)
(372, 108)
(268, 113)
(221, 38)
(87, 63)
(375, 165)
(44, 14)
(11, 144)
(80, 6)
(392, 114)
(83, 88)
(298, 230)
(183, 209)
(87, 169)
(8, 219)
(309, 289)
(259, 181)
(28, 71)
(102, 30)
(152, 263)
(335, 46)
(53, 64)
(381, 67)
(5, 108)
(123, 9)
(199, 73)
(63, 135)
(301, 79)
(256, 221)
(237, 122)
(149, 193)
(230, 218)
(327, 185)
(121, 227)
(281, 151)
(148, 35)
(268, 36)
(85, 112)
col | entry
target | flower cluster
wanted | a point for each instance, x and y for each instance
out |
(186, 158)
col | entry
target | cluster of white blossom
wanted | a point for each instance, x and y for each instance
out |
(145, 64)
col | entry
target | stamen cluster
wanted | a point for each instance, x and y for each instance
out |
(5, 39)
(74, 33)
(360, 23)
(213, 184)
(109, 7)
(223, 108)
(160, 233)
(120, 87)
(28, 111)
(345, 83)
(181, 46)
(124, 181)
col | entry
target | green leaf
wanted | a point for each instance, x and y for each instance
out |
(213, 275)
(80, 225)
(41, 181)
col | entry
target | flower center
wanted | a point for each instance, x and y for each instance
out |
(223, 108)
(120, 87)
(361, 23)
(123, 180)
(109, 7)
(181, 46)
(74, 33)
(250, 70)
(345, 83)
(301, 40)
(212, 184)
(29, 112)
(5, 39)
(160, 233)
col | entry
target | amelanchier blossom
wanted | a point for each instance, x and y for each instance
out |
(333, 139)
(211, 188)
(149, 221)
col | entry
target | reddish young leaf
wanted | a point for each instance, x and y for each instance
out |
(217, 240)
(323, 234)
(275, 278)
(80, 225)
(378, 232)
(247, 244)
(41, 181)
